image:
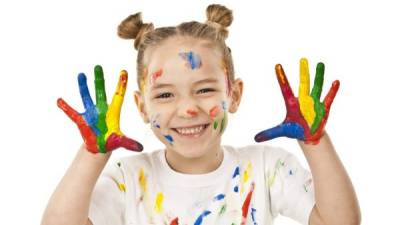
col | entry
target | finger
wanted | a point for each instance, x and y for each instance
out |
(331, 95)
(68, 110)
(115, 141)
(101, 97)
(304, 89)
(318, 81)
(84, 91)
(86, 132)
(291, 130)
(114, 111)
(284, 84)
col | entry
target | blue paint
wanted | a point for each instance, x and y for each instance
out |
(169, 138)
(236, 173)
(291, 130)
(253, 216)
(236, 189)
(224, 105)
(91, 114)
(199, 219)
(219, 197)
(290, 172)
(192, 58)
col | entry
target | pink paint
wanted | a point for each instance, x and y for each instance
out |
(214, 111)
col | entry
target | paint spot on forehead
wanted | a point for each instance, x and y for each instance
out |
(192, 59)
(155, 75)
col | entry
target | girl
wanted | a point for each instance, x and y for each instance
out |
(186, 89)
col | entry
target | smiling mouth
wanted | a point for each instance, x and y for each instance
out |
(192, 131)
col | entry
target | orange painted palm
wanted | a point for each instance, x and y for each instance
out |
(99, 124)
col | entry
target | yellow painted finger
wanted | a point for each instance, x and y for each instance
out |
(114, 111)
(305, 100)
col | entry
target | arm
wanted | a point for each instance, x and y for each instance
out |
(69, 203)
(336, 201)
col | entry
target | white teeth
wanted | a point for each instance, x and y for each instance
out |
(193, 130)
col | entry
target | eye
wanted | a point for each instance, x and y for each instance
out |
(164, 95)
(205, 90)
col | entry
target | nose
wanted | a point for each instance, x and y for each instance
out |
(188, 108)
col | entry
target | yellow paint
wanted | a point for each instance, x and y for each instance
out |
(122, 187)
(142, 181)
(247, 172)
(305, 100)
(159, 201)
(278, 165)
(114, 110)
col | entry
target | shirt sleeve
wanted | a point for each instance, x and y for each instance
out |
(107, 206)
(290, 186)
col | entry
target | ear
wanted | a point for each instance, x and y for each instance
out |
(236, 95)
(139, 100)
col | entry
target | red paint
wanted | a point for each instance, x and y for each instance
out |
(191, 112)
(88, 135)
(246, 204)
(214, 111)
(156, 75)
(174, 221)
(115, 141)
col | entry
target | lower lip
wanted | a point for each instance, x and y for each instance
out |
(191, 136)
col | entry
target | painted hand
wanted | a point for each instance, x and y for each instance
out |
(99, 124)
(306, 116)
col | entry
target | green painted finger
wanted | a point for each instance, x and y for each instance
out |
(99, 85)
(319, 109)
(318, 82)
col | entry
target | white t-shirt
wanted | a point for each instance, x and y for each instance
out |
(252, 185)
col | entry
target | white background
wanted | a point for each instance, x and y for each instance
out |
(45, 44)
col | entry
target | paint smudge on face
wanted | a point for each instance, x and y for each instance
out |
(169, 138)
(154, 122)
(155, 75)
(158, 204)
(191, 112)
(193, 60)
(199, 219)
(214, 111)
(215, 124)
(222, 124)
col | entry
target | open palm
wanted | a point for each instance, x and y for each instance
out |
(99, 124)
(306, 115)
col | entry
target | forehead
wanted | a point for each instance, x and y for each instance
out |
(168, 55)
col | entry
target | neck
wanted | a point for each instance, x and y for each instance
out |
(199, 165)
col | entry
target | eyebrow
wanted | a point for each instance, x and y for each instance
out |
(163, 85)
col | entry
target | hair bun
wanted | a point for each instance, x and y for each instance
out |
(133, 28)
(219, 14)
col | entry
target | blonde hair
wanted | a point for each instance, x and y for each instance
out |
(214, 30)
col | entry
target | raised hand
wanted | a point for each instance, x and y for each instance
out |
(99, 124)
(306, 116)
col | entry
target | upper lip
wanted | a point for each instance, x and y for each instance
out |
(191, 126)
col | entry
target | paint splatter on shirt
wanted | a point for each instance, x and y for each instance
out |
(252, 185)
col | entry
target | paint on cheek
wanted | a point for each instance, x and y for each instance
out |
(154, 122)
(193, 60)
(155, 75)
(191, 112)
(169, 138)
(214, 111)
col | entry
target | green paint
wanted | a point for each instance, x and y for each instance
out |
(222, 124)
(119, 164)
(101, 143)
(319, 107)
(222, 210)
(102, 107)
(215, 124)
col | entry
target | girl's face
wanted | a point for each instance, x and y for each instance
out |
(186, 96)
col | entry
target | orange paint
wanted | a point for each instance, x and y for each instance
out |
(214, 111)
(156, 75)
(191, 112)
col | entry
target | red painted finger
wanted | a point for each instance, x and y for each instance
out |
(331, 94)
(87, 134)
(68, 110)
(284, 84)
